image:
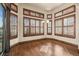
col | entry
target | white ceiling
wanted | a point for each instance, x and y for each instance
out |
(46, 6)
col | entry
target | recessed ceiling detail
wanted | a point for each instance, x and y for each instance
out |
(46, 6)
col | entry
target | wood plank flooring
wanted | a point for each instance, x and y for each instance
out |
(43, 47)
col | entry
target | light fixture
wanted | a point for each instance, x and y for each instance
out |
(43, 21)
(47, 21)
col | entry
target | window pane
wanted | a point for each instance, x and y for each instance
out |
(13, 33)
(37, 23)
(37, 14)
(65, 31)
(26, 22)
(68, 10)
(37, 30)
(14, 7)
(13, 30)
(65, 22)
(42, 24)
(32, 22)
(1, 32)
(49, 24)
(26, 30)
(59, 22)
(58, 14)
(41, 27)
(13, 20)
(1, 26)
(59, 30)
(42, 30)
(32, 30)
(69, 21)
(49, 30)
(71, 31)
(32, 13)
(13, 25)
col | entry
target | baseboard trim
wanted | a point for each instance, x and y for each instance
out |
(32, 40)
(27, 42)
(68, 43)
(45, 39)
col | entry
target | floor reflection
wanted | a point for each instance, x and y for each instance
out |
(47, 49)
(44, 48)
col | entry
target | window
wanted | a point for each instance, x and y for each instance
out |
(68, 26)
(41, 27)
(68, 10)
(65, 11)
(2, 32)
(49, 27)
(14, 7)
(32, 13)
(65, 24)
(26, 26)
(32, 27)
(58, 26)
(13, 26)
(13, 21)
(58, 14)
(49, 16)
(37, 27)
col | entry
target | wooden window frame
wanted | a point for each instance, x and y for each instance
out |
(72, 6)
(42, 15)
(33, 12)
(41, 27)
(69, 36)
(49, 15)
(59, 26)
(57, 13)
(49, 27)
(12, 4)
(35, 27)
(26, 26)
(38, 27)
(32, 27)
(15, 36)
(27, 11)
(67, 15)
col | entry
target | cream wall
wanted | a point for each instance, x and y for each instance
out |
(77, 23)
(20, 25)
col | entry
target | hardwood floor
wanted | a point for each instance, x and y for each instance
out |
(43, 47)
